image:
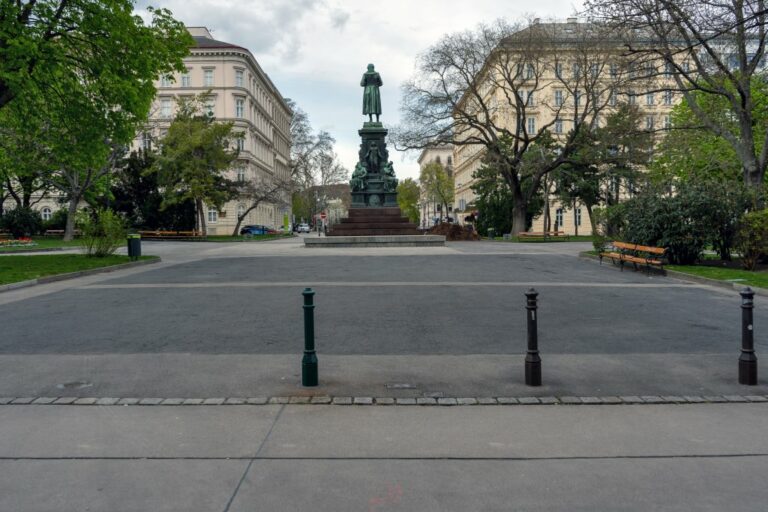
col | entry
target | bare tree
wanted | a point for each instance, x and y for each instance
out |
(710, 48)
(519, 95)
(271, 190)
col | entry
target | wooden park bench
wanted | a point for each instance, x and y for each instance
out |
(541, 235)
(622, 252)
(171, 235)
(59, 232)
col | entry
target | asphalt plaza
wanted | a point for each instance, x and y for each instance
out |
(444, 322)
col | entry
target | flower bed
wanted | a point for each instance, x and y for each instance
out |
(19, 242)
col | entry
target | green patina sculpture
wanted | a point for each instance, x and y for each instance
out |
(371, 96)
(357, 183)
(373, 183)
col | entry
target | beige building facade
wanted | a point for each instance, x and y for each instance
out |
(431, 212)
(550, 83)
(241, 93)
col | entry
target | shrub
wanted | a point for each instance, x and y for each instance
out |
(57, 221)
(22, 222)
(752, 238)
(103, 231)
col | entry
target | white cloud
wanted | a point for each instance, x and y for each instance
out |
(316, 50)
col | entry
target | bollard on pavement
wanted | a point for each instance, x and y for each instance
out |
(532, 358)
(747, 360)
(309, 361)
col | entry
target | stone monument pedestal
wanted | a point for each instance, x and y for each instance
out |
(374, 221)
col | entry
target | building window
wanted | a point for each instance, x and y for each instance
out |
(669, 69)
(632, 97)
(209, 107)
(213, 214)
(613, 100)
(594, 69)
(240, 211)
(559, 218)
(649, 122)
(239, 107)
(531, 125)
(530, 72)
(146, 141)
(558, 126)
(576, 70)
(649, 98)
(577, 216)
(667, 122)
(668, 96)
(165, 81)
(529, 102)
(241, 173)
(46, 213)
(241, 143)
(559, 98)
(208, 78)
(614, 70)
(165, 108)
(186, 81)
(239, 77)
(577, 98)
(559, 70)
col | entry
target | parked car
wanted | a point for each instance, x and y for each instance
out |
(257, 229)
(303, 228)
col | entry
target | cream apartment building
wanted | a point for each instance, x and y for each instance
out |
(241, 92)
(552, 86)
(431, 212)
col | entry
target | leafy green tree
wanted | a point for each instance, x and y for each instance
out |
(79, 75)
(495, 202)
(692, 152)
(193, 155)
(135, 194)
(437, 185)
(408, 199)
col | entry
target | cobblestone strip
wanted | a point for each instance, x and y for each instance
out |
(386, 401)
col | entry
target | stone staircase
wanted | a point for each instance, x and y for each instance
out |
(374, 222)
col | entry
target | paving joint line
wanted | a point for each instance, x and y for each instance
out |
(368, 401)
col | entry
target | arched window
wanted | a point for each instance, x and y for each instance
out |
(437, 159)
(46, 213)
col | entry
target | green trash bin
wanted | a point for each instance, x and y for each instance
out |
(134, 246)
(491, 233)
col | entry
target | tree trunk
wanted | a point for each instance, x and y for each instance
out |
(69, 230)
(519, 217)
(575, 220)
(201, 217)
(592, 223)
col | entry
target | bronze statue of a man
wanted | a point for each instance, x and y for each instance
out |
(371, 96)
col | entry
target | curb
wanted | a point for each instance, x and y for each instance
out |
(682, 276)
(389, 401)
(46, 249)
(81, 273)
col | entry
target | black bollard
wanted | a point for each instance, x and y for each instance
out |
(309, 361)
(747, 360)
(532, 359)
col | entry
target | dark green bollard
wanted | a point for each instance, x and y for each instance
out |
(309, 362)
(748, 359)
(532, 358)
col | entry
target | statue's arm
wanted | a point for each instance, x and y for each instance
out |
(362, 82)
(378, 80)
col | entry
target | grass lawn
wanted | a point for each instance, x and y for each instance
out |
(745, 277)
(44, 243)
(22, 268)
(251, 238)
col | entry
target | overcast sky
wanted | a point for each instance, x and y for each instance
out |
(315, 51)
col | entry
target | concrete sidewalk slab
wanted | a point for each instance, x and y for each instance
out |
(52, 431)
(519, 432)
(703, 485)
(118, 485)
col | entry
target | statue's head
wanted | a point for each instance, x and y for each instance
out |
(370, 68)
